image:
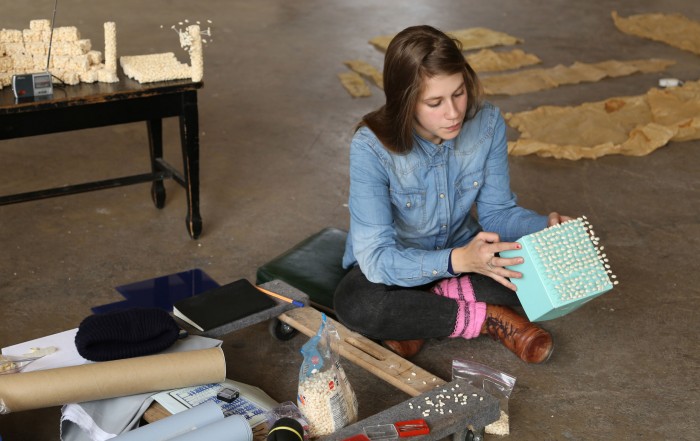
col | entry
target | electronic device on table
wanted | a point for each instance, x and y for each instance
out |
(36, 84)
(32, 85)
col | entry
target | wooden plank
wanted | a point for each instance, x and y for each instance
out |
(155, 412)
(367, 354)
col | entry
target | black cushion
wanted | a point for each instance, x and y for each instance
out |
(313, 266)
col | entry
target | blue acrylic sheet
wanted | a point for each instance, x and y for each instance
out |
(160, 292)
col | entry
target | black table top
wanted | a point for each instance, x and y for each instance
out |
(88, 93)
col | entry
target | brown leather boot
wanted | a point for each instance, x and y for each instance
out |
(524, 338)
(404, 348)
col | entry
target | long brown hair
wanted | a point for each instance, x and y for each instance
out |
(416, 53)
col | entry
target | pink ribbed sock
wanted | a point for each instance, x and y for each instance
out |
(457, 288)
(470, 318)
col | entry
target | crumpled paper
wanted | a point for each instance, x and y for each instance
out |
(366, 70)
(355, 85)
(472, 38)
(487, 60)
(532, 80)
(633, 126)
(673, 29)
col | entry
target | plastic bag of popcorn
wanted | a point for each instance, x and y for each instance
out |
(325, 396)
(492, 381)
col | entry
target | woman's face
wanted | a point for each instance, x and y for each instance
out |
(441, 107)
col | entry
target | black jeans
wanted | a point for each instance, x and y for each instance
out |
(385, 312)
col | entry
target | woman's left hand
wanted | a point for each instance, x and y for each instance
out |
(555, 218)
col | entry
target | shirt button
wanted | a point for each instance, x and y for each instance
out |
(438, 248)
(408, 205)
(443, 227)
(442, 195)
(435, 272)
(476, 184)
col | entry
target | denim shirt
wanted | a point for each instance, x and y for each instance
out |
(407, 211)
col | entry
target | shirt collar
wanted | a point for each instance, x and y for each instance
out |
(431, 148)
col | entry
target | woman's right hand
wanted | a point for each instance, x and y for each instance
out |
(480, 256)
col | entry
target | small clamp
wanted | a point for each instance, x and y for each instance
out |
(412, 428)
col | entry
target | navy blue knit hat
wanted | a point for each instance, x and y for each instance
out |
(125, 334)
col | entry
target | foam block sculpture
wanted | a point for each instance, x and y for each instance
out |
(564, 267)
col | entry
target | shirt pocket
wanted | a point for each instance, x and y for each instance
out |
(467, 187)
(409, 210)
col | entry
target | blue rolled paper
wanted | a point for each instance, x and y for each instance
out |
(232, 428)
(187, 421)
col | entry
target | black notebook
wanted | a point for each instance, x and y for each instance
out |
(222, 305)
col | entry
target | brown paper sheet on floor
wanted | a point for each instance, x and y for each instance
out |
(366, 70)
(633, 126)
(354, 84)
(673, 29)
(487, 60)
(472, 38)
(109, 379)
(533, 80)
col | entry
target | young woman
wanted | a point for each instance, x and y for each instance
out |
(422, 168)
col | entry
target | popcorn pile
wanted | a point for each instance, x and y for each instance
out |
(7, 365)
(154, 67)
(72, 58)
(165, 66)
(500, 426)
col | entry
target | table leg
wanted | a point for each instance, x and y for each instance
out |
(189, 136)
(155, 147)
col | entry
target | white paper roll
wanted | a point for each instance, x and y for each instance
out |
(176, 425)
(233, 428)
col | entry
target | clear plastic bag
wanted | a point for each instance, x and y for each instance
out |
(325, 397)
(492, 381)
(10, 364)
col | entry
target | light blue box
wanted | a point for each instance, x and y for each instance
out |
(563, 269)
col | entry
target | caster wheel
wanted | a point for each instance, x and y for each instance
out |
(281, 331)
(474, 435)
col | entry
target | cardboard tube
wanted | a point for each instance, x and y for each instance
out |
(109, 379)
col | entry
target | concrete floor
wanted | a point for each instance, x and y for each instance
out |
(275, 129)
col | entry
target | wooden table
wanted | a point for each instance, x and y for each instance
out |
(86, 106)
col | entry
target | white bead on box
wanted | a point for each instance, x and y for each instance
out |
(564, 267)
